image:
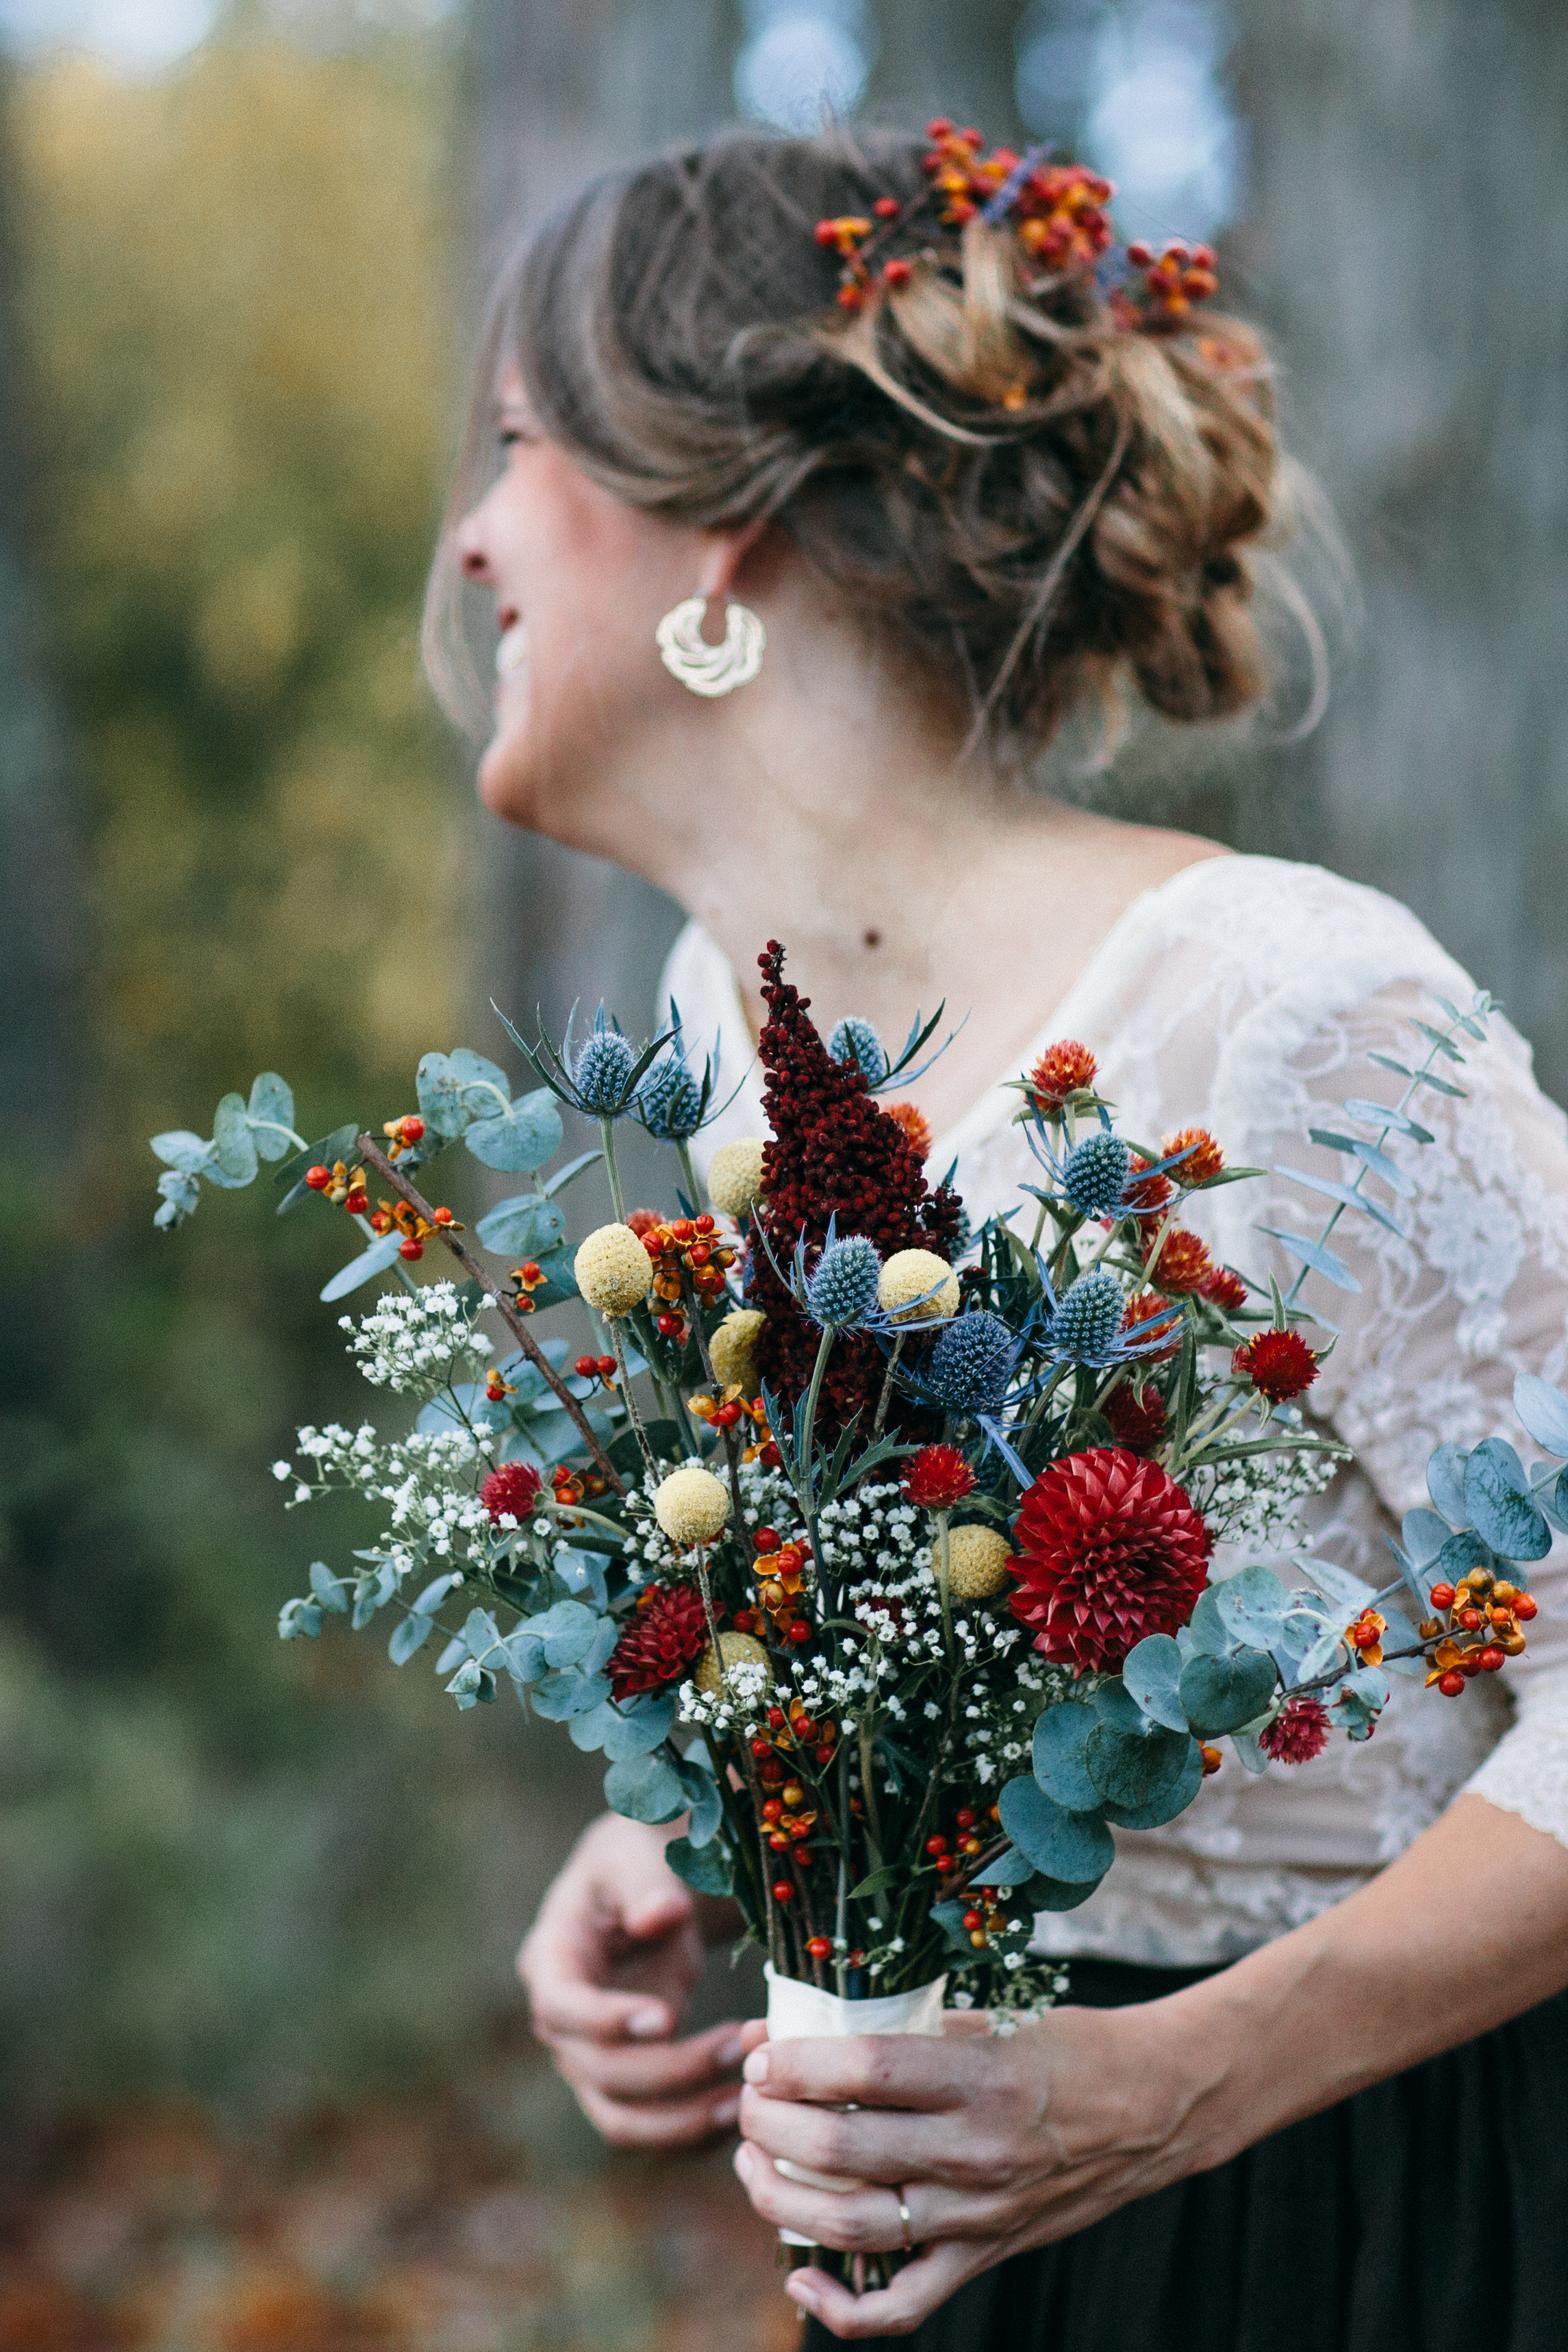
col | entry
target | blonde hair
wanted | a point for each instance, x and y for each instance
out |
(1008, 477)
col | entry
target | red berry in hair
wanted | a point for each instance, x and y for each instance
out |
(1297, 1733)
(1110, 1549)
(514, 1487)
(1280, 1364)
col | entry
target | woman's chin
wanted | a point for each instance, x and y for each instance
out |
(505, 778)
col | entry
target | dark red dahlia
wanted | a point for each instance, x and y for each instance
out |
(1062, 1070)
(834, 1154)
(1139, 1423)
(511, 1489)
(937, 1477)
(1280, 1364)
(1224, 1289)
(664, 1633)
(1297, 1733)
(1110, 1549)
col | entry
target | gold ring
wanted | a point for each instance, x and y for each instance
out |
(904, 2222)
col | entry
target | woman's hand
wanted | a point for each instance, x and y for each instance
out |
(996, 2145)
(609, 1965)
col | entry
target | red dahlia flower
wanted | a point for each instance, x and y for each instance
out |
(1224, 1289)
(668, 1629)
(1139, 1423)
(1061, 1070)
(511, 1489)
(937, 1477)
(1280, 1364)
(1297, 1733)
(1109, 1549)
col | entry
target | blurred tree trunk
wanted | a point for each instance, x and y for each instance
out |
(42, 899)
(1407, 243)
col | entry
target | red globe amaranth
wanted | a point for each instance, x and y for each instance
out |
(511, 1489)
(1139, 1424)
(1297, 1733)
(1184, 1263)
(1204, 1158)
(1280, 1364)
(1224, 1289)
(833, 1153)
(937, 1477)
(1145, 1308)
(1063, 1069)
(664, 1634)
(1147, 1196)
(1110, 1549)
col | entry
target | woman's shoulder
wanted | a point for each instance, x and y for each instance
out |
(1270, 929)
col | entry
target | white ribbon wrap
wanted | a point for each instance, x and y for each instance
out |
(798, 2013)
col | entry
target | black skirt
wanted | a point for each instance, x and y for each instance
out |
(1426, 2214)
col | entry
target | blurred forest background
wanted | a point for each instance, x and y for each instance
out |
(242, 252)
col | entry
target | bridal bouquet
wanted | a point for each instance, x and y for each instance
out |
(875, 1550)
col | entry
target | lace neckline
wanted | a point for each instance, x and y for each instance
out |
(995, 1106)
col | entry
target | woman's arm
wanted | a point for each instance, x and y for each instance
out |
(1001, 2144)
(609, 1965)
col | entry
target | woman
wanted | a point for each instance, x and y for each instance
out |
(968, 501)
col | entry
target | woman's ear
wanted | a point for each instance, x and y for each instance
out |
(725, 557)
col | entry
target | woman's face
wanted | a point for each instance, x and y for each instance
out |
(580, 581)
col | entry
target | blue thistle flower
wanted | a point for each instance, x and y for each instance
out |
(1086, 1326)
(602, 1068)
(853, 1040)
(971, 1363)
(669, 1101)
(843, 1289)
(1095, 1173)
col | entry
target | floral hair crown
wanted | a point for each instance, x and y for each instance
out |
(1057, 212)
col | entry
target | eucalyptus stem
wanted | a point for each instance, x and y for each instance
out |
(607, 1136)
(634, 1411)
(866, 1728)
(944, 1576)
(694, 1191)
(887, 1396)
(841, 1908)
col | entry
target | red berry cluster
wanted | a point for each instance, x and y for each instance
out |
(596, 1367)
(834, 1154)
(788, 1814)
(1164, 286)
(1484, 1615)
(779, 1570)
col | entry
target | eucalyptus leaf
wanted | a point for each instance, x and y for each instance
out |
(1165, 1807)
(1061, 1740)
(430, 1600)
(188, 1153)
(1445, 1482)
(270, 1111)
(1348, 1196)
(233, 1147)
(644, 1789)
(1222, 1694)
(407, 1637)
(1500, 1512)
(528, 1226)
(1252, 1606)
(290, 1176)
(520, 1139)
(1382, 1115)
(440, 1096)
(1151, 1673)
(1073, 1846)
(702, 1796)
(1131, 1770)
(562, 1177)
(707, 1869)
(639, 1730)
(382, 1253)
(1317, 1254)
(1423, 1533)
(566, 1691)
(1209, 1634)
(331, 1592)
(1339, 1587)
(1542, 1409)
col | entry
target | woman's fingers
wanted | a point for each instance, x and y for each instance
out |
(897, 2310)
(871, 2144)
(663, 2124)
(661, 2070)
(870, 2070)
(864, 2220)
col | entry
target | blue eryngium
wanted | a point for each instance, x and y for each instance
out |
(1095, 1172)
(854, 1040)
(842, 1290)
(1087, 1325)
(971, 1363)
(602, 1069)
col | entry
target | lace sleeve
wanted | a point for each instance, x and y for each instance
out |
(1475, 1290)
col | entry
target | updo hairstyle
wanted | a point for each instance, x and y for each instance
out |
(1013, 484)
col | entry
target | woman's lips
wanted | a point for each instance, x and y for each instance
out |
(512, 653)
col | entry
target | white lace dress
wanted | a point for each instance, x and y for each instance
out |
(1244, 996)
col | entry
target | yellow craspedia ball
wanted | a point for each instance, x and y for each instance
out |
(691, 1506)
(976, 1563)
(735, 1175)
(735, 1650)
(734, 1348)
(908, 1274)
(614, 1271)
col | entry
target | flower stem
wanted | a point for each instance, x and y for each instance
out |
(607, 1136)
(944, 1576)
(694, 1191)
(885, 1397)
(634, 1412)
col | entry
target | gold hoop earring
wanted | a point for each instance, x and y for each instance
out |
(709, 669)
